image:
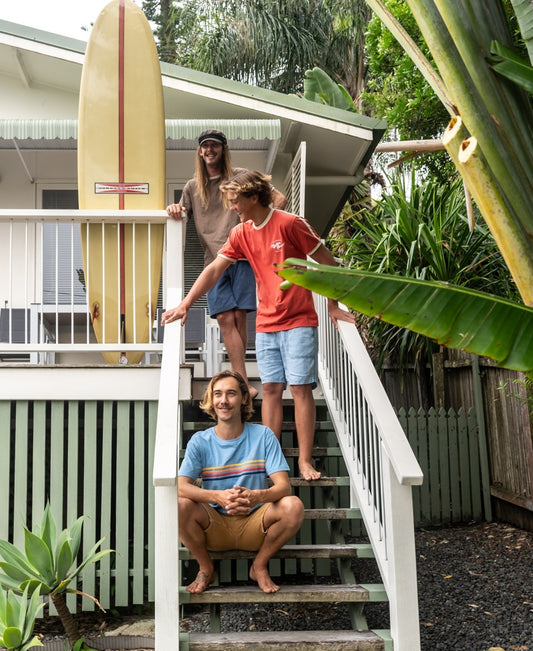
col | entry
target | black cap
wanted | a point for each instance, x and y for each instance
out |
(212, 134)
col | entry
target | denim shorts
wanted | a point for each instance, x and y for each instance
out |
(235, 290)
(288, 356)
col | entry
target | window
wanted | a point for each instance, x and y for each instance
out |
(63, 280)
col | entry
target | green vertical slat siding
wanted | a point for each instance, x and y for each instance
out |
(39, 492)
(139, 481)
(5, 461)
(20, 498)
(56, 460)
(106, 525)
(89, 497)
(73, 472)
(152, 411)
(122, 502)
(434, 474)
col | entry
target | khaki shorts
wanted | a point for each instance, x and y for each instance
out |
(244, 532)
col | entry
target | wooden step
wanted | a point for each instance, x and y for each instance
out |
(348, 593)
(287, 641)
(359, 550)
(287, 426)
(323, 481)
(317, 452)
(332, 514)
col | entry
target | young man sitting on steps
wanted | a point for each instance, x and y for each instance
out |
(235, 508)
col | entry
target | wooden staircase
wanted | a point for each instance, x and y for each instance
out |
(317, 568)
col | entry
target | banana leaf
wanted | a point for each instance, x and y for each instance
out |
(454, 316)
(507, 64)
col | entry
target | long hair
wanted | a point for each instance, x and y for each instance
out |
(202, 177)
(207, 403)
(248, 184)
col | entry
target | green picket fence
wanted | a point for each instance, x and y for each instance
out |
(450, 453)
(95, 458)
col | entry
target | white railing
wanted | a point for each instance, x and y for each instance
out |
(381, 465)
(166, 455)
(44, 285)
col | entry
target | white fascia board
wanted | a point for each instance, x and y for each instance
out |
(53, 51)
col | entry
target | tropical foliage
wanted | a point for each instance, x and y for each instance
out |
(267, 43)
(48, 565)
(490, 130)
(419, 231)
(17, 619)
(490, 137)
(455, 317)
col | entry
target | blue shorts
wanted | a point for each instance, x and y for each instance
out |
(288, 356)
(235, 290)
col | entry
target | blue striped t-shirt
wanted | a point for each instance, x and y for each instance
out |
(244, 461)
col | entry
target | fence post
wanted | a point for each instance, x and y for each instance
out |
(482, 438)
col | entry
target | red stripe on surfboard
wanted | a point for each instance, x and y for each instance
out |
(121, 29)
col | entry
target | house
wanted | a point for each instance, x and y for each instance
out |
(39, 82)
(83, 433)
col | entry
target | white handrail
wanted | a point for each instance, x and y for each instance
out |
(381, 465)
(81, 216)
(167, 566)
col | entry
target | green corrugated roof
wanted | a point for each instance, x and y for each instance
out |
(24, 129)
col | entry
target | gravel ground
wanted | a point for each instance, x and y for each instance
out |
(475, 594)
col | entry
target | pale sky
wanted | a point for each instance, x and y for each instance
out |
(66, 17)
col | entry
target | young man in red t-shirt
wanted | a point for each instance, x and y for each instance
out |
(286, 324)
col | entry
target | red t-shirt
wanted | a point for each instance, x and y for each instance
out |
(279, 237)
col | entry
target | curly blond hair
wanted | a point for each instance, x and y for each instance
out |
(207, 403)
(249, 184)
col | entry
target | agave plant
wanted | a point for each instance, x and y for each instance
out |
(17, 619)
(48, 565)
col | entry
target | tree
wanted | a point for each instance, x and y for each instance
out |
(490, 140)
(397, 92)
(489, 137)
(268, 43)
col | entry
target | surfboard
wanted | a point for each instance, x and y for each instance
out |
(121, 166)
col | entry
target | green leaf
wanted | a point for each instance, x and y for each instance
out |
(454, 316)
(11, 611)
(10, 584)
(39, 555)
(64, 561)
(36, 584)
(16, 558)
(319, 87)
(32, 643)
(48, 528)
(33, 608)
(13, 572)
(524, 15)
(509, 65)
(12, 637)
(75, 535)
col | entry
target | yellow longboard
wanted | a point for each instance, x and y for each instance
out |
(121, 166)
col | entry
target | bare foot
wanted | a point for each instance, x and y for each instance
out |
(263, 580)
(308, 472)
(202, 581)
(253, 392)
